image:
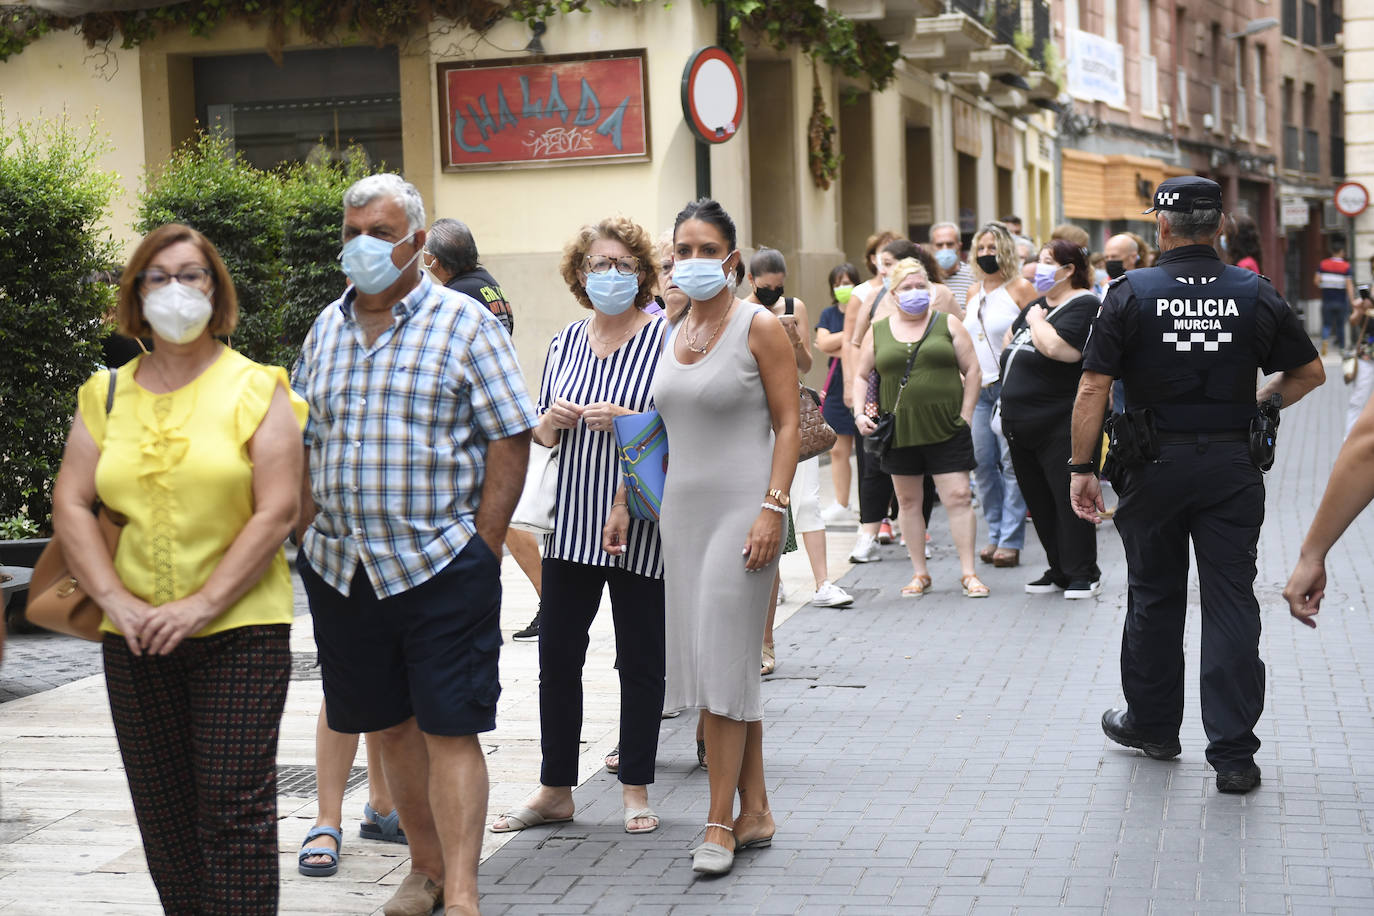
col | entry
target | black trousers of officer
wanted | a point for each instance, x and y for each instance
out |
(1212, 493)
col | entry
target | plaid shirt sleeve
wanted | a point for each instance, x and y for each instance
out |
(300, 381)
(501, 405)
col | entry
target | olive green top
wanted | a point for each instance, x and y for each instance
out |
(929, 408)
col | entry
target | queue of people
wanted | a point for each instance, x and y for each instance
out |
(395, 451)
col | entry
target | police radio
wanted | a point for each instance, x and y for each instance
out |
(1264, 433)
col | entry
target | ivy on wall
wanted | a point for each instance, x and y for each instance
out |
(855, 49)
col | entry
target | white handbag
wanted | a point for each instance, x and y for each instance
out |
(539, 500)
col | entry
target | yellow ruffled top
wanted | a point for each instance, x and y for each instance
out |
(177, 466)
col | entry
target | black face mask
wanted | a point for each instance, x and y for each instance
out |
(1115, 268)
(987, 263)
(768, 296)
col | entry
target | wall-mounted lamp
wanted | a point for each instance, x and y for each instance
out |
(537, 29)
(1254, 26)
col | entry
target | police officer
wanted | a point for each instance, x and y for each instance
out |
(1187, 337)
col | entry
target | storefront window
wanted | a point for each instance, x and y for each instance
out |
(315, 103)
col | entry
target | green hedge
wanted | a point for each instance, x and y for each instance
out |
(53, 310)
(278, 232)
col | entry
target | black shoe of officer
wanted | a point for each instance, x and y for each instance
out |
(1238, 781)
(1114, 726)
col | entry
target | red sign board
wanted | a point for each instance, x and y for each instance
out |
(560, 110)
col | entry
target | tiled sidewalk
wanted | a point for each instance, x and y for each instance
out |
(937, 755)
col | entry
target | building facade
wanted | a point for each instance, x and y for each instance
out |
(960, 134)
(1229, 90)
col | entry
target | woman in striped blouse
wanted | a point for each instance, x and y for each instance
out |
(598, 368)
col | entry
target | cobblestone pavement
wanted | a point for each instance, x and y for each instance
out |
(944, 755)
(936, 756)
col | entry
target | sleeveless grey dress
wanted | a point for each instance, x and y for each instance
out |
(720, 452)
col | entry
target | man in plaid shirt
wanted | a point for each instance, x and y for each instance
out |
(418, 438)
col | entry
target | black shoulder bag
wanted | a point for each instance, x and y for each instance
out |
(879, 442)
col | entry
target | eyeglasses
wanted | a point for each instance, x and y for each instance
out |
(599, 264)
(187, 276)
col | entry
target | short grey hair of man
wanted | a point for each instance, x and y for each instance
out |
(452, 244)
(930, 235)
(1198, 225)
(365, 190)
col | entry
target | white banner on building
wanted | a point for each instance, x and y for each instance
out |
(1096, 69)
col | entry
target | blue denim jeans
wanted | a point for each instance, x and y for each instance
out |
(1003, 508)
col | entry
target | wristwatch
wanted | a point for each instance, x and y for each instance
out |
(779, 497)
(1086, 467)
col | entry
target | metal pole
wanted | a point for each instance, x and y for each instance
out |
(703, 169)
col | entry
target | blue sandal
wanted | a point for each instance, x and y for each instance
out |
(320, 871)
(386, 828)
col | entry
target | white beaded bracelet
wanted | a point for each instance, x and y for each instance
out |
(778, 509)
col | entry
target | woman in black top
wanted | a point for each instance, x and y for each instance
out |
(1041, 363)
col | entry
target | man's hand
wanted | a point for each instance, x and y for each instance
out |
(1085, 495)
(1305, 589)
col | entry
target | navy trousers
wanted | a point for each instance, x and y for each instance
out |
(1211, 493)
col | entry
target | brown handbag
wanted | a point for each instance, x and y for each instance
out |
(56, 600)
(816, 434)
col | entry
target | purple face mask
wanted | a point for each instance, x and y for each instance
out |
(1044, 276)
(913, 302)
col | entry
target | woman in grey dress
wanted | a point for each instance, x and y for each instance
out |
(727, 391)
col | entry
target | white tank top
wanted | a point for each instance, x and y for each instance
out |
(987, 319)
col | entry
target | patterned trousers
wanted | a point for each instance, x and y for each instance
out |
(198, 733)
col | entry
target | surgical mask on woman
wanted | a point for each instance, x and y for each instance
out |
(842, 294)
(699, 278)
(367, 261)
(611, 291)
(1044, 276)
(946, 258)
(767, 296)
(177, 312)
(913, 302)
(987, 263)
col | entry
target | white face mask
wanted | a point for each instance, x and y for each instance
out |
(176, 312)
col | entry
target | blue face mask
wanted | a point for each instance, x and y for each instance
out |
(914, 302)
(1044, 277)
(946, 258)
(699, 278)
(367, 261)
(611, 291)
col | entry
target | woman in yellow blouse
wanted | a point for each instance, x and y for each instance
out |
(201, 452)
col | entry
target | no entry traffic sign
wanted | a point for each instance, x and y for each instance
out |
(712, 95)
(1352, 198)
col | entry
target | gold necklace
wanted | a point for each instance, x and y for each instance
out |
(691, 339)
(591, 329)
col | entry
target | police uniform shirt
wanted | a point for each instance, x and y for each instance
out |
(1279, 341)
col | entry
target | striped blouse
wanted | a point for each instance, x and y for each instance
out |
(588, 472)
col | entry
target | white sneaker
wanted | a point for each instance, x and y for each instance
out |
(836, 514)
(929, 552)
(831, 595)
(865, 550)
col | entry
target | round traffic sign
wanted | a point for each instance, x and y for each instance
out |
(712, 95)
(1352, 198)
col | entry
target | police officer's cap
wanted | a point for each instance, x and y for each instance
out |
(1186, 194)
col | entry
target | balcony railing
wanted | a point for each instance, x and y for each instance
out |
(1311, 151)
(1292, 147)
